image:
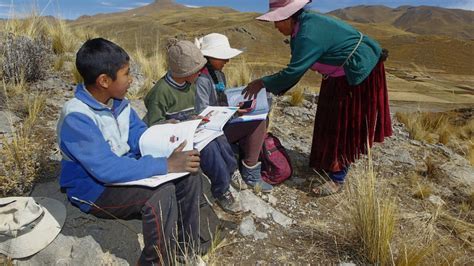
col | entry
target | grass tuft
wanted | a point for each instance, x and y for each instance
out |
(238, 72)
(423, 191)
(152, 67)
(372, 218)
(22, 153)
(297, 96)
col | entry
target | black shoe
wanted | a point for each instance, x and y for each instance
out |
(228, 203)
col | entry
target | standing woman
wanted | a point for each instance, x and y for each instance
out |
(353, 108)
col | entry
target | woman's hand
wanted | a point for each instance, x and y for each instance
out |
(252, 89)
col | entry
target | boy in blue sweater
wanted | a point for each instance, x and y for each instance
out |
(98, 134)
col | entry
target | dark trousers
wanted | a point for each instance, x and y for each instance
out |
(218, 163)
(161, 209)
(249, 136)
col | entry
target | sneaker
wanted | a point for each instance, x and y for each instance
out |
(237, 182)
(228, 203)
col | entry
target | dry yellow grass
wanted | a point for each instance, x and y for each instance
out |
(33, 26)
(153, 68)
(62, 37)
(372, 217)
(422, 191)
(76, 76)
(12, 89)
(20, 155)
(415, 254)
(297, 96)
(454, 129)
(59, 63)
(238, 72)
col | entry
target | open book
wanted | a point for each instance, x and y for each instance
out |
(235, 97)
(160, 141)
(217, 117)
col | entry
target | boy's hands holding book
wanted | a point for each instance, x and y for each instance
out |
(183, 161)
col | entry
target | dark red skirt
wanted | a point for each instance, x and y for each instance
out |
(348, 118)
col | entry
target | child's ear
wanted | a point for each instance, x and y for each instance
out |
(103, 80)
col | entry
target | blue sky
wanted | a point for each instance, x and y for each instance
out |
(72, 9)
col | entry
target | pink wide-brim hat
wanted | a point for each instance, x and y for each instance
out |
(282, 9)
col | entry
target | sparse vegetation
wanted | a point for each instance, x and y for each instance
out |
(372, 217)
(454, 129)
(22, 154)
(238, 72)
(422, 191)
(297, 96)
(25, 58)
(152, 67)
(62, 37)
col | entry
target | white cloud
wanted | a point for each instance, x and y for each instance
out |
(124, 7)
(466, 4)
(6, 5)
(190, 6)
(106, 4)
(141, 4)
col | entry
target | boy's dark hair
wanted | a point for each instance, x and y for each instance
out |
(100, 56)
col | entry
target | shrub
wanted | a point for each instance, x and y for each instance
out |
(25, 58)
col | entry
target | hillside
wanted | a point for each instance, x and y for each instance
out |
(150, 26)
(425, 20)
(409, 202)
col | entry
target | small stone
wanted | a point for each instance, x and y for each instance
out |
(260, 235)
(272, 200)
(436, 200)
(347, 264)
(247, 227)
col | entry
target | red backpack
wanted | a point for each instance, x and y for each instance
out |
(276, 164)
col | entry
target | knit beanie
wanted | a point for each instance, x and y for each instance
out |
(184, 58)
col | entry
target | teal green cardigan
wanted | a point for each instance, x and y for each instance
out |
(326, 40)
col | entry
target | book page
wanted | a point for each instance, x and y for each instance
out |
(217, 116)
(160, 141)
(203, 136)
(235, 97)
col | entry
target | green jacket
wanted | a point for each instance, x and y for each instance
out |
(165, 102)
(329, 41)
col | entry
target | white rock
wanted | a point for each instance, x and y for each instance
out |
(261, 209)
(7, 121)
(247, 226)
(436, 200)
(272, 200)
(260, 235)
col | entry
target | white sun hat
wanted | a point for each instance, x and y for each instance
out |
(216, 45)
(28, 225)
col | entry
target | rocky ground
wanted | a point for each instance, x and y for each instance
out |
(288, 225)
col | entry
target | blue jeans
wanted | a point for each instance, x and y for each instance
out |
(218, 163)
(340, 176)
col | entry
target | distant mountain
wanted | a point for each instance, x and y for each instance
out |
(426, 20)
(150, 26)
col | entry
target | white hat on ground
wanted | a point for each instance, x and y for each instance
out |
(216, 45)
(28, 225)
